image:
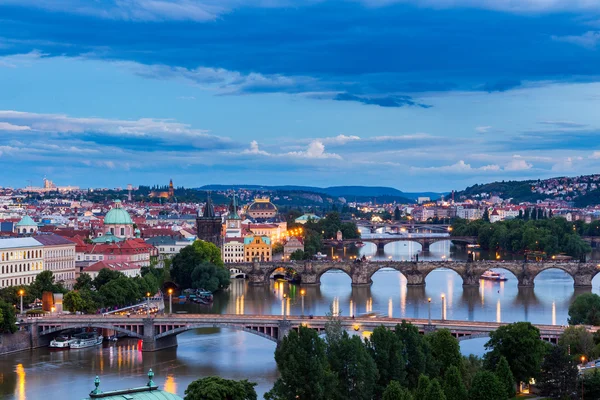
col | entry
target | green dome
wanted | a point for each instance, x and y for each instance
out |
(117, 216)
(26, 221)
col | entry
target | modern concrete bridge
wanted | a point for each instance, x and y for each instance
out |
(161, 332)
(310, 272)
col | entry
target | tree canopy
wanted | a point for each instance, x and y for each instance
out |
(200, 253)
(215, 388)
(585, 310)
(558, 375)
(486, 386)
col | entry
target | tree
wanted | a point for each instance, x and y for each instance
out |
(105, 276)
(84, 281)
(387, 352)
(73, 301)
(591, 385)
(585, 310)
(8, 319)
(444, 350)
(417, 353)
(522, 347)
(297, 255)
(210, 277)
(434, 391)
(486, 386)
(454, 388)
(44, 282)
(303, 367)
(356, 371)
(578, 340)
(397, 214)
(395, 391)
(470, 366)
(422, 387)
(216, 388)
(486, 215)
(190, 257)
(506, 377)
(558, 375)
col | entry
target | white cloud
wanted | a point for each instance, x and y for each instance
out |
(5, 126)
(483, 129)
(340, 139)
(254, 149)
(501, 5)
(460, 167)
(20, 60)
(595, 155)
(400, 138)
(590, 39)
(517, 164)
(316, 149)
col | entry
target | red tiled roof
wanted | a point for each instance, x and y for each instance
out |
(100, 265)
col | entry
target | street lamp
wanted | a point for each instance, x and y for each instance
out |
(283, 304)
(302, 293)
(170, 301)
(21, 293)
(582, 361)
(429, 303)
(148, 303)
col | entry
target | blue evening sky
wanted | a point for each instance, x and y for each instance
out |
(414, 94)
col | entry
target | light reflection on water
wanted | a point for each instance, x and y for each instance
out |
(239, 355)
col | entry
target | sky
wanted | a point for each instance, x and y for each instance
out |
(413, 94)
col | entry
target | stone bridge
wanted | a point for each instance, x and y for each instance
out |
(424, 241)
(310, 272)
(160, 332)
(397, 226)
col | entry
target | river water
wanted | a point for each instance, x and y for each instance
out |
(69, 375)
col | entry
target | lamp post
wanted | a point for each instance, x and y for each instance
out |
(170, 301)
(582, 361)
(148, 303)
(302, 293)
(443, 307)
(21, 293)
(429, 303)
(283, 304)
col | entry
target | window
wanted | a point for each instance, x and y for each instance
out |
(122, 231)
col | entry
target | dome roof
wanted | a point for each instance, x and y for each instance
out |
(262, 205)
(26, 221)
(117, 216)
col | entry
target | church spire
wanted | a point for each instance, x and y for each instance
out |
(209, 209)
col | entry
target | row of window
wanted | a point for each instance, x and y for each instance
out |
(16, 281)
(21, 255)
(12, 269)
(60, 253)
(52, 266)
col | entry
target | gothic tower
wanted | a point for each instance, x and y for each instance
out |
(209, 225)
(171, 189)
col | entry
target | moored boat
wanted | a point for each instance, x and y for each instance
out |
(359, 244)
(493, 276)
(61, 343)
(87, 340)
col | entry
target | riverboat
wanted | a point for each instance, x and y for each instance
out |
(493, 276)
(359, 244)
(320, 256)
(61, 343)
(87, 340)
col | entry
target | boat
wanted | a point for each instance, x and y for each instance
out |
(320, 256)
(87, 340)
(493, 276)
(359, 244)
(473, 246)
(61, 342)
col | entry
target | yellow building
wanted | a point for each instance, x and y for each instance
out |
(257, 248)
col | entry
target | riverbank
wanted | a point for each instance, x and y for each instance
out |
(14, 342)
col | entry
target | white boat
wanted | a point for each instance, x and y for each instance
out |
(493, 276)
(320, 256)
(61, 342)
(87, 340)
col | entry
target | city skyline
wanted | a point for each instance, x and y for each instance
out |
(432, 97)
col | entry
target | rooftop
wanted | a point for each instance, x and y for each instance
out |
(148, 392)
(15, 243)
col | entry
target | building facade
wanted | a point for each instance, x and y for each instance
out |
(209, 225)
(257, 248)
(262, 208)
(291, 245)
(118, 222)
(21, 260)
(233, 250)
(59, 257)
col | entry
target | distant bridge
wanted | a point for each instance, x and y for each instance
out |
(401, 225)
(161, 332)
(310, 272)
(381, 240)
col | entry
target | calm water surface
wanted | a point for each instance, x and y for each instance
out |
(237, 355)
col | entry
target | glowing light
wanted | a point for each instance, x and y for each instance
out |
(498, 312)
(170, 384)
(20, 382)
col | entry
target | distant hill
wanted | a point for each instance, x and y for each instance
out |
(361, 193)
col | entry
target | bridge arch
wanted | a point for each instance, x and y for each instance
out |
(333, 267)
(91, 325)
(554, 268)
(268, 272)
(190, 327)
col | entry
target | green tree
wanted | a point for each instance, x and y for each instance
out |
(486, 386)
(303, 367)
(417, 353)
(73, 302)
(44, 282)
(486, 215)
(434, 391)
(215, 388)
(397, 214)
(395, 391)
(444, 350)
(387, 351)
(422, 386)
(454, 388)
(578, 340)
(8, 319)
(84, 281)
(105, 276)
(297, 255)
(585, 310)
(591, 385)
(470, 366)
(210, 277)
(506, 377)
(522, 347)
(558, 375)
(190, 257)
(355, 369)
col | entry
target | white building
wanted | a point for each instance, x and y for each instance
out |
(59, 257)
(21, 259)
(468, 213)
(233, 250)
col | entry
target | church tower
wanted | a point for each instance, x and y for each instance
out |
(233, 221)
(209, 225)
(171, 189)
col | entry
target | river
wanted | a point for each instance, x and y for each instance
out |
(231, 354)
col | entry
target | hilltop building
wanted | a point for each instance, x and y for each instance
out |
(170, 194)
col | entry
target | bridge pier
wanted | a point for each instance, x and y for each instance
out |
(380, 247)
(309, 278)
(257, 278)
(414, 278)
(425, 245)
(150, 343)
(582, 281)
